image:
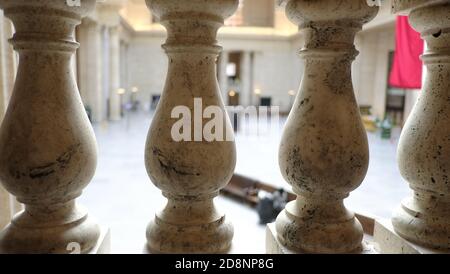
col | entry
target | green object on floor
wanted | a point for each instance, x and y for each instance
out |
(386, 129)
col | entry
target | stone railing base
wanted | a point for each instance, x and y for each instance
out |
(389, 242)
(273, 246)
(103, 245)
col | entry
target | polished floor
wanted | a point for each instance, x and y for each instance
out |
(122, 197)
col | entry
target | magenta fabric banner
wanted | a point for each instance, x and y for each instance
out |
(407, 67)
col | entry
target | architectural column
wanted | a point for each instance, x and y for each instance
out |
(324, 150)
(90, 69)
(115, 106)
(190, 170)
(47, 147)
(246, 96)
(424, 148)
(109, 16)
(223, 77)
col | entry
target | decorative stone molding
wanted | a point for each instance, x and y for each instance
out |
(424, 148)
(190, 174)
(48, 150)
(324, 150)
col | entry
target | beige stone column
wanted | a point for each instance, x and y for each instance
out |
(109, 17)
(324, 150)
(47, 147)
(90, 68)
(424, 148)
(114, 62)
(223, 78)
(190, 173)
(246, 97)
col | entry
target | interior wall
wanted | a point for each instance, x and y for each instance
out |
(371, 67)
(276, 69)
(147, 66)
(259, 13)
(137, 14)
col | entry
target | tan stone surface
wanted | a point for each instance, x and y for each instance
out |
(189, 174)
(273, 245)
(47, 146)
(324, 152)
(424, 147)
(389, 242)
(103, 245)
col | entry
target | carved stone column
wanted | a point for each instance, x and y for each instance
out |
(190, 174)
(115, 108)
(246, 96)
(223, 77)
(90, 68)
(110, 17)
(47, 147)
(424, 148)
(324, 151)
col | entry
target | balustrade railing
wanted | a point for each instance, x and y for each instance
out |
(48, 151)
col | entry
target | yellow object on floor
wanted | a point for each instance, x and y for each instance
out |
(369, 123)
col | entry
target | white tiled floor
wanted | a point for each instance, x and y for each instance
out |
(122, 197)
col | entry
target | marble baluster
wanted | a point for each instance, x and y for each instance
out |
(324, 150)
(48, 150)
(189, 173)
(424, 147)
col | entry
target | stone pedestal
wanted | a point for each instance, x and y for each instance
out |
(389, 242)
(324, 151)
(424, 146)
(274, 246)
(48, 152)
(190, 170)
(103, 245)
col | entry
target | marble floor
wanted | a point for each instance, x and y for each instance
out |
(122, 197)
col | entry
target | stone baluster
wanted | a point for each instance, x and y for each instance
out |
(190, 174)
(324, 150)
(47, 146)
(424, 148)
